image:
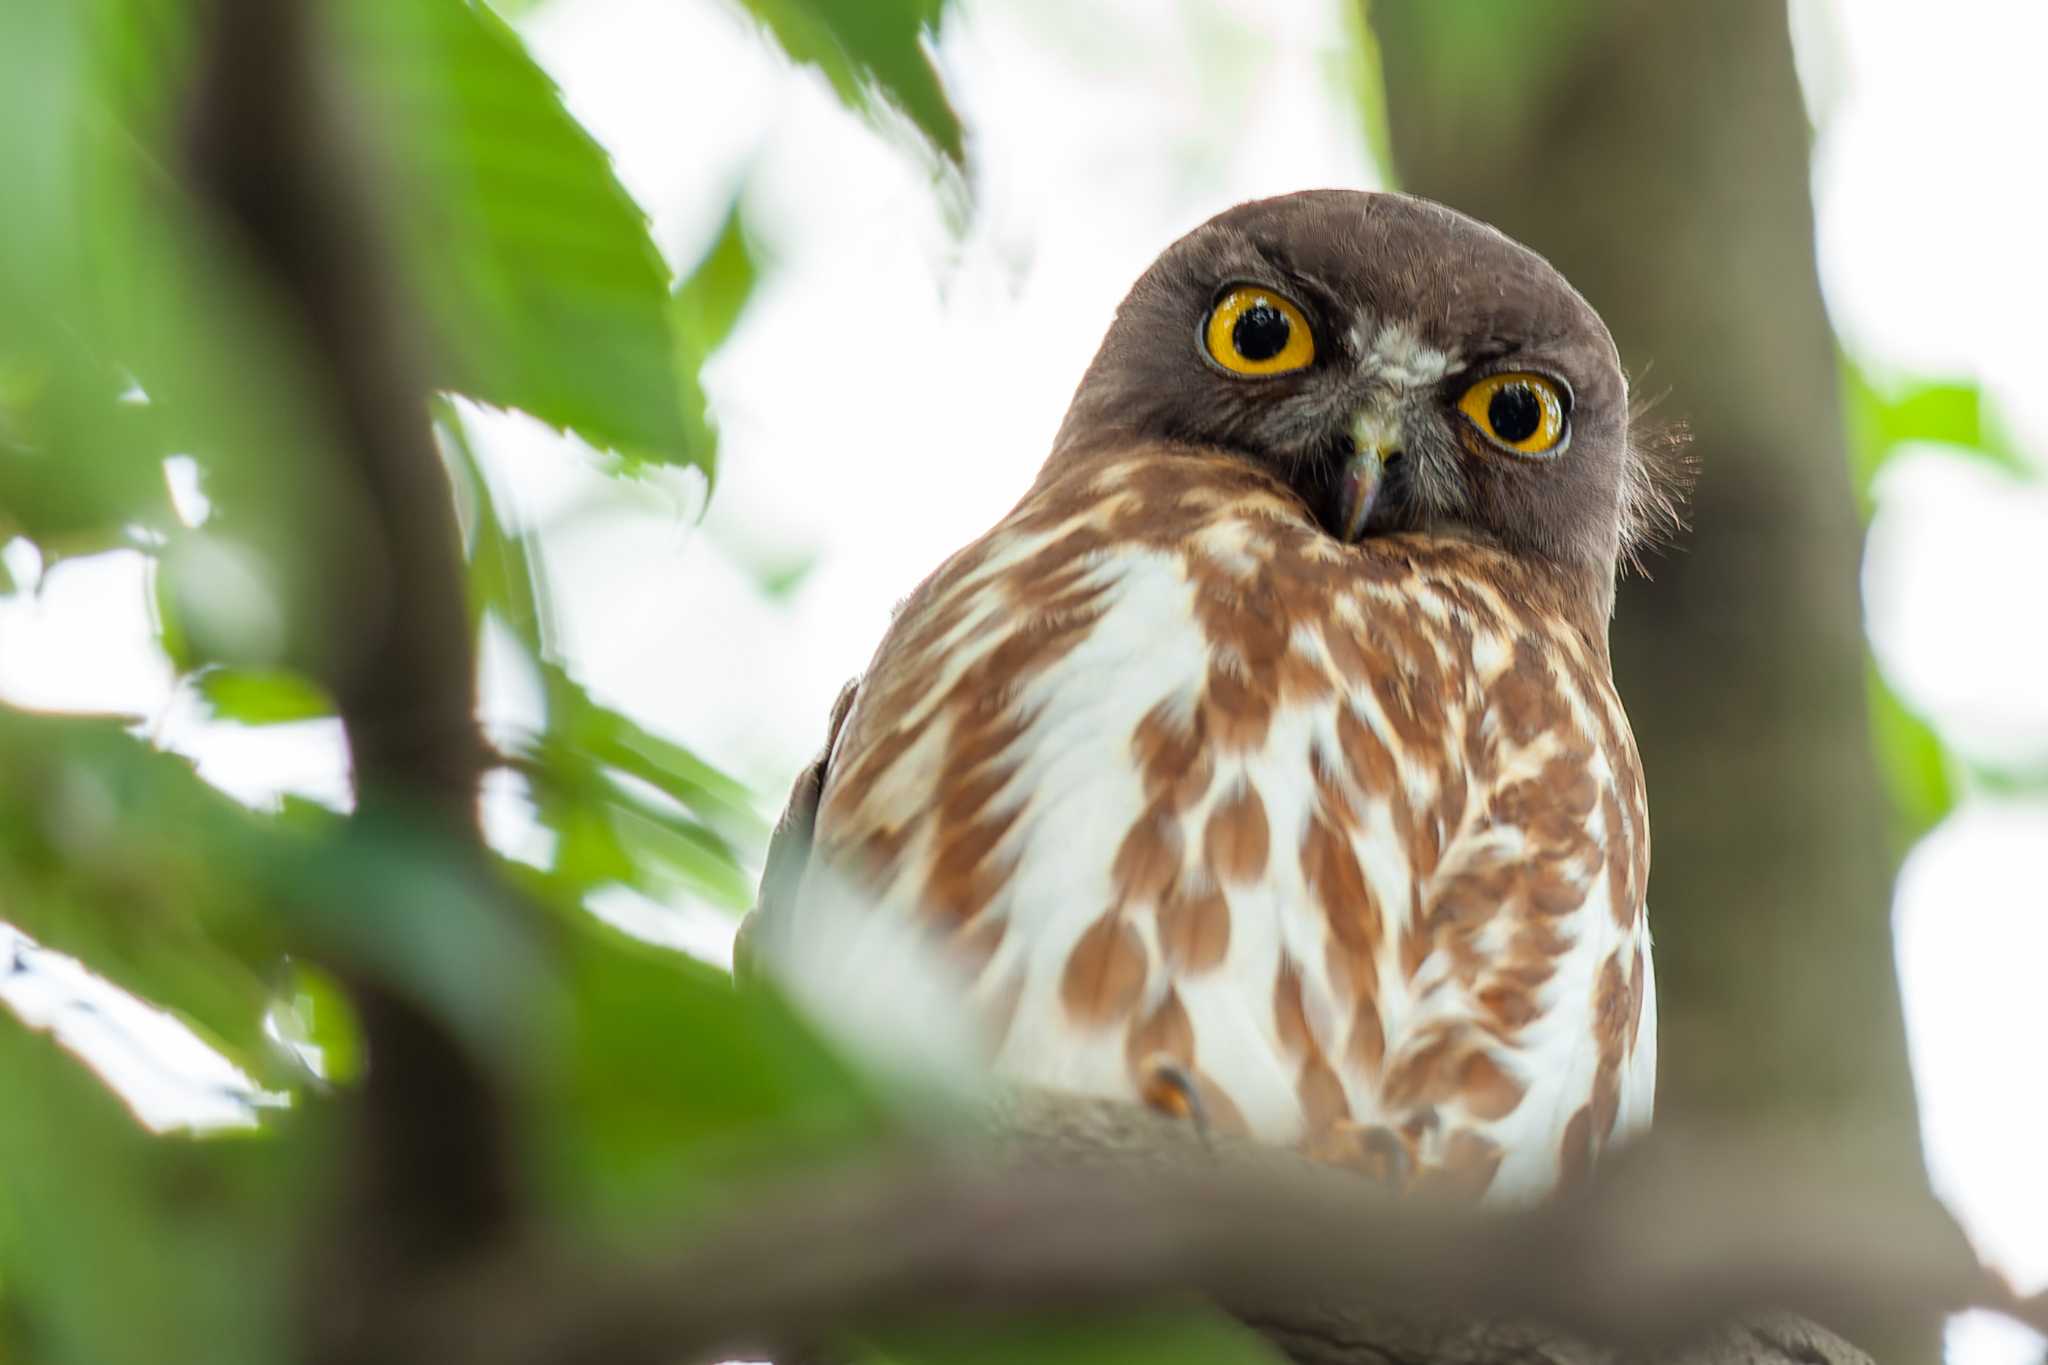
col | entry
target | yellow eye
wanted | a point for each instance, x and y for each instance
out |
(1256, 332)
(1523, 412)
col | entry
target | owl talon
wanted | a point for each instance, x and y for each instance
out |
(1372, 1150)
(1168, 1088)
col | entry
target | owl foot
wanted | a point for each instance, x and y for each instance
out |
(1167, 1087)
(1372, 1150)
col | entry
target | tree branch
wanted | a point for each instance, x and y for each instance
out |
(1681, 1251)
(375, 550)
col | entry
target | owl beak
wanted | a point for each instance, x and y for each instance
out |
(1374, 441)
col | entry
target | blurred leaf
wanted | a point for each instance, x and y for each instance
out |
(779, 577)
(316, 1015)
(705, 307)
(858, 42)
(666, 1075)
(505, 572)
(1193, 1334)
(126, 333)
(1881, 420)
(632, 807)
(263, 698)
(117, 1246)
(665, 765)
(381, 894)
(70, 500)
(708, 303)
(1916, 768)
(124, 858)
(535, 264)
(663, 840)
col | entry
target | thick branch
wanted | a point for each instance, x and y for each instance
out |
(1092, 1203)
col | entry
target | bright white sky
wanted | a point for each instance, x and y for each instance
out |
(893, 386)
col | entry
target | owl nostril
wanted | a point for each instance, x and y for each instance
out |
(1390, 458)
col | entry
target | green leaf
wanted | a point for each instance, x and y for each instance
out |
(617, 739)
(117, 1247)
(124, 858)
(1917, 771)
(381, 894)
(126, 333)
(667, 1082)
(546, 291)
(316, 1015)
(705, 307)
(253, 697)
(1881, 419)
(1189, 1334)
(868, 45)
(708, 303)
(632, 807)
(505, 569)
(665, 841)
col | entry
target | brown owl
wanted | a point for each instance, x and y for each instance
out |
(1264, 762)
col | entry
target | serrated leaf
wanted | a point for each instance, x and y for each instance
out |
(546, 291)
(863, 45)
(255, 697)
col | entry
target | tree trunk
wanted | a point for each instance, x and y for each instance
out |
(1657, 154)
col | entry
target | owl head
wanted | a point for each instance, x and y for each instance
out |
(1398, 365)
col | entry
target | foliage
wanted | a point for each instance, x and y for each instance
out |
(133, 331)
(1925, 777)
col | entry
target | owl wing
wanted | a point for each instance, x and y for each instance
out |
(789, 852)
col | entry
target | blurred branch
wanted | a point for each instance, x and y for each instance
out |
(274, 160)
(1674, 1255)
(272, 153)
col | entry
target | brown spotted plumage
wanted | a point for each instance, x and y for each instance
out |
(1232, 789)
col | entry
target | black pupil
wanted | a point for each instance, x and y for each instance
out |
(1516, 413)
(1260, 332)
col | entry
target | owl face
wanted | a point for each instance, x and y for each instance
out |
(1400, 366)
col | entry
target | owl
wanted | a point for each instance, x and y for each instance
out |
(1264, 764)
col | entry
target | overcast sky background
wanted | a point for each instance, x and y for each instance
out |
(896, 380)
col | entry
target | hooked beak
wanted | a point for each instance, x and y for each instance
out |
(1375, 440)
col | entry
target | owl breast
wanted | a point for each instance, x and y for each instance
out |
(1349, 839)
